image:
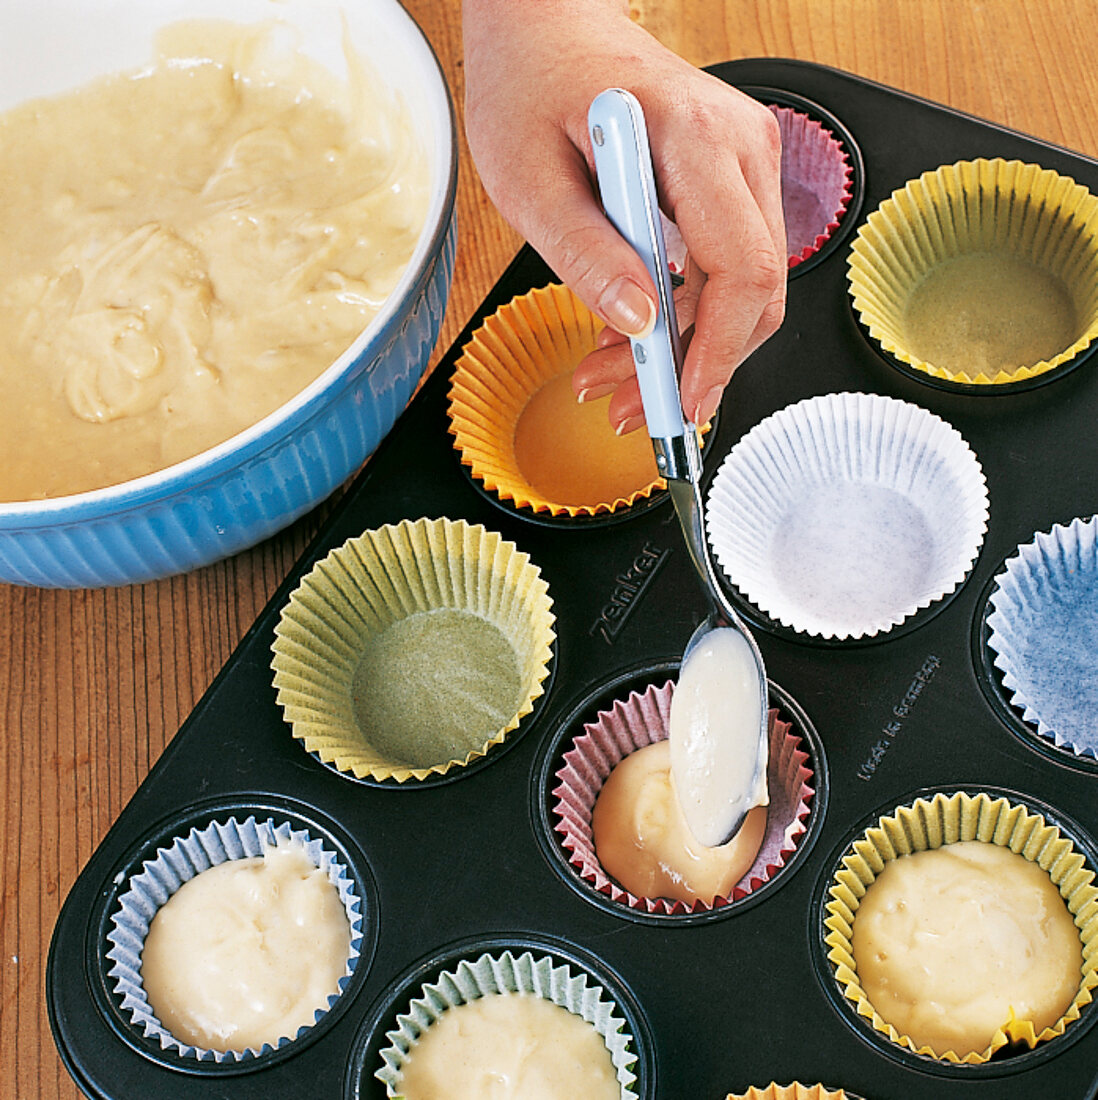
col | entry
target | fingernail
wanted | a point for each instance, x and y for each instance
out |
(629, 424)
(624, 306)
(593, 393)
(707, 406)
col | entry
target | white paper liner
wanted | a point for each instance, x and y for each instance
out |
(176, 864)
(642, 719)
(470, 979)
(1044, 632)
(842, 515)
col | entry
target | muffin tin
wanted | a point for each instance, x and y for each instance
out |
(720, 1001)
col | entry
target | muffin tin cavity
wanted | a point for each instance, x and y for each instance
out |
(517, 423)
(464, 971)
(628, 712)
(796, 1091)
(930, 819)
(176, 853)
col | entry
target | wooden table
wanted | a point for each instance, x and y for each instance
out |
(94, 683)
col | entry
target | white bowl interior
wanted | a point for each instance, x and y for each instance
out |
(56, 45)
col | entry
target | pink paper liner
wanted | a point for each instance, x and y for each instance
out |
(815, 162)
(640, 720)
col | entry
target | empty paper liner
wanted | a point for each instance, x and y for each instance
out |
(162, 874)
(518, 425)
(566, 986)
(843, 515)
(1044, 632)
(642, 719)
(928, 823)
(816, 183)
(413, 649)
(982, 272)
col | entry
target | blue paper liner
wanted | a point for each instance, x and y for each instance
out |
(166, 872)
(1044, 632)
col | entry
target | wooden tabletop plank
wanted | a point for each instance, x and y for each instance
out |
(94, 683)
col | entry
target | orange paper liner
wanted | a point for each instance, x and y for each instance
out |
(642, 719)
(525, 344)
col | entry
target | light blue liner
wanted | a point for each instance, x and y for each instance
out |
(510, 973)
(1044, 632)
(162, 875)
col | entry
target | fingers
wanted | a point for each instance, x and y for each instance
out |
(736, 312)
(718, 168)
(730, 216)
(567, 227)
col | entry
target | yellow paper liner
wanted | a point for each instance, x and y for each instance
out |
(976, 206)
(527, 342)
(945, 819)
(385, 575)
(795, 1091)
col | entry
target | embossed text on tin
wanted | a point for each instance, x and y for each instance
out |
(629, 586)
(899, 713)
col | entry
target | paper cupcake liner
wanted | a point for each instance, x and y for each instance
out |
(386, 576)
(642, 719)
(161, 876)
(796, 1091)
(817, 183)
(945, 819)
(978, 208)
(535, 339)
(1044, 632)
(843, 515)
(510, 973)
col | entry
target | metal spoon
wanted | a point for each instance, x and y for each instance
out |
(719, 735)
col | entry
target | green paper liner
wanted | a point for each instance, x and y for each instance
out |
(385, 577)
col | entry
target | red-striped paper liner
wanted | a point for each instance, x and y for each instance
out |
(641, 719)
(817, 183)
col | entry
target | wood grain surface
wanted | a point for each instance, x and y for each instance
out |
(94, 683)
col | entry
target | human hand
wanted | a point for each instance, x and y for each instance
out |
(532, 69)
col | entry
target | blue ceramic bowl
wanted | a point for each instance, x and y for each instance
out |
(243, 490)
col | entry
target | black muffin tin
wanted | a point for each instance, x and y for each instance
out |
(744, 997)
